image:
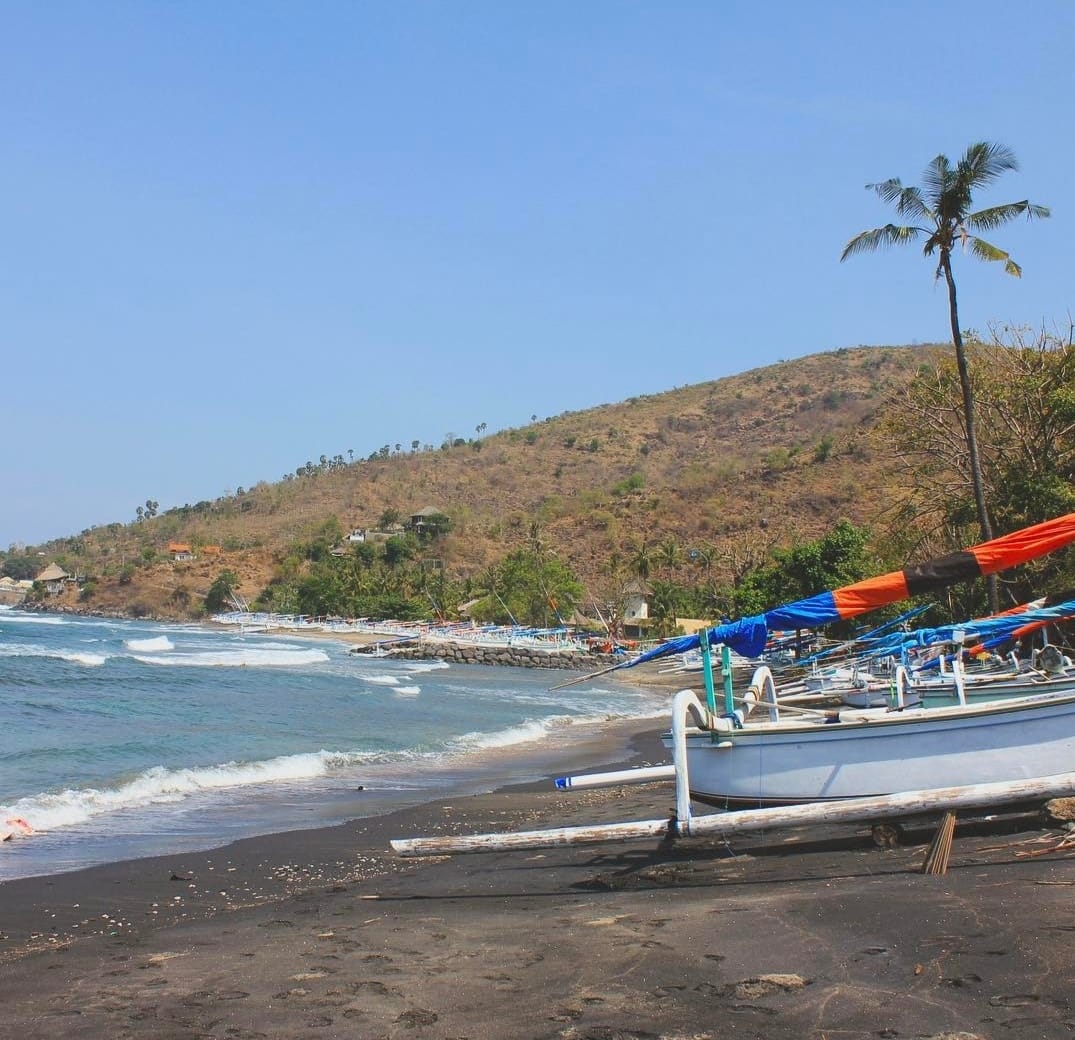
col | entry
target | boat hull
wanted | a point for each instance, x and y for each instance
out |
(882, 753)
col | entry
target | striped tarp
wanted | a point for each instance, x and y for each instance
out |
(748, 635)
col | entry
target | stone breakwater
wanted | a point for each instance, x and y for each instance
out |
(504, 656)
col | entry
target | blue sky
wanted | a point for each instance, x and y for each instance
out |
(239, 236)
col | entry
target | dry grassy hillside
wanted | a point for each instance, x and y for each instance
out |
(738, 464)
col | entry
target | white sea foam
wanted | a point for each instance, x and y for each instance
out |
(242, 658)
(381, 680)
(525, 733)
(261, 644)
(158, 785)
(418, 667)
(150, 646)
(536, 730)
(90, 660)
(407, 691)
(33, 619)
(74, 656)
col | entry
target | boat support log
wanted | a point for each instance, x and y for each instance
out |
(724, 825)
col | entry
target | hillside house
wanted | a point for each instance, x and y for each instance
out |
(53, 577)
(10, 591)
(636, 598)
(427, 521)
(180, 552)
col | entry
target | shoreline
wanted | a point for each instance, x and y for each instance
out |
(26, 906)
(807, 933)
(489, 770)
(810, 932)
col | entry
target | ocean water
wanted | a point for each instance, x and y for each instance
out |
(121, 739)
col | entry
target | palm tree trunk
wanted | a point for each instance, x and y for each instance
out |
(968, 418)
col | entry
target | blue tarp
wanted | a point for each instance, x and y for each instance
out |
(995, 629)
(747, 636)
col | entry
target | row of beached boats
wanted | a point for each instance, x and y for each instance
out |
(559, 639)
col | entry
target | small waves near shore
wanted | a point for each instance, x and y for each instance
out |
(125, 739)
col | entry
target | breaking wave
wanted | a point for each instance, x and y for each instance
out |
(159, 785)
(74, 656)
(150, 645)
(247, 657)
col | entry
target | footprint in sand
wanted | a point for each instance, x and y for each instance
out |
(416, 1017)
(1014, 1000)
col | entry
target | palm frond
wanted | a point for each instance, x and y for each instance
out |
(874, 239)
(911, 204)
(984, 162)
(907, 200)
(887, 191)
(937, 179)
(984, 250)
(988, 219)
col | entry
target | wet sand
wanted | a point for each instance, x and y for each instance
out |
(811, 933)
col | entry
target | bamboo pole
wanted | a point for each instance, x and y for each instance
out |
(589, 675)
(940, 849)
(723, 825)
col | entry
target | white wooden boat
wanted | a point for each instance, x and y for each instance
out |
(859, 688)
(776, 754)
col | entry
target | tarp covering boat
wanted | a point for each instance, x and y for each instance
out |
(748, 636)
(992, 631)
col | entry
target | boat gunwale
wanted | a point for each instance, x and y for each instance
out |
(877, 718)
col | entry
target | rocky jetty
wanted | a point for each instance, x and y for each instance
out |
(504, 656)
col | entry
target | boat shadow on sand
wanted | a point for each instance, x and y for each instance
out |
(896, 848)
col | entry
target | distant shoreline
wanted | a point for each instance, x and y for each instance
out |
(645, 675)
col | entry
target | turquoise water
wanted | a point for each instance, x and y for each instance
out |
(121, 739)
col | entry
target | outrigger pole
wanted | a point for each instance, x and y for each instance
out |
(726, 825)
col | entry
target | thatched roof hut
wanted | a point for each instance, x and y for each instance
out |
(53, 572)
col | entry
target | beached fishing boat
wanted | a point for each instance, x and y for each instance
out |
(954, 663)
(798, 755)
(957, 685)
(753, 748)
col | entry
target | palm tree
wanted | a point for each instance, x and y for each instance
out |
(663, 607)
(669, 555)
(942, 208)
(704, 556)
(641, 559)
(613, 564)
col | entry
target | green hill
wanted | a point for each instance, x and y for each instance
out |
(731, 467)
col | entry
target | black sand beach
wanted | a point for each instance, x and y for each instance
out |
(327, 933)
